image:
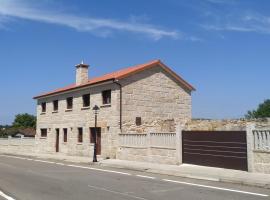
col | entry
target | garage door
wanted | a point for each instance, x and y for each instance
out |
(225, 149)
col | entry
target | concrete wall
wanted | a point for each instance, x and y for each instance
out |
(260, 155)
(159, 148)
(262, 162)
(157, 98)
(17, 145)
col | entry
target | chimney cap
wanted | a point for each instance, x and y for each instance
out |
(82, 64)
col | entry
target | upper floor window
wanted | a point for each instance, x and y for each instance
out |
(43, 132)
(43, 107)
(80, 135)
(86, 100)
(106, 96)
(70, 103)
(55, 105)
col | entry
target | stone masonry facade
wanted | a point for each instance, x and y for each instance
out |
(156, 98)
(108, 120)
(153, 95)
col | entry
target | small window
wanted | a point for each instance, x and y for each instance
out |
(70, 103)
(43, 132)
(86, 100)
(138, 121)
(106, 96)
(80, 135)
(65, 134)
(55, 105)
(43, 107)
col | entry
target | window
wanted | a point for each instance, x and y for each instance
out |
(86, 100)
(69, 103)
(43, 132)
(80, 135)
(43, 107)
(55, 105)
(65, 134)
(138, 121)
(106, 96)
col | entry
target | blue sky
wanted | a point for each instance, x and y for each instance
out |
(219, 46)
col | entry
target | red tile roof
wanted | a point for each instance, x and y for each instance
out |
(120, 75)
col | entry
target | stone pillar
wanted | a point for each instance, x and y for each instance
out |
(250, 146)
(179, 148)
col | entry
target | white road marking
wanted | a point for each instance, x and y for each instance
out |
(142, 176)
(168, 190)
(77, 166)
(216, 188)
(13, 157)
(60, 164)
(149, 177)
(2, 194)
(102, 170)
(116, 192)
(111, 171)
(44, 161)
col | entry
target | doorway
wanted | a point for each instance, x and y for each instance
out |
(98, 139)
(57, 140)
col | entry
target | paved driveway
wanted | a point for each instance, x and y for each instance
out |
(30, 179)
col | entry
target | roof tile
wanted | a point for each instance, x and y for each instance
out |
(118, 75)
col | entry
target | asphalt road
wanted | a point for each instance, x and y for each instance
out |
(32, 179)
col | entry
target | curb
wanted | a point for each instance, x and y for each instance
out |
(177, 174)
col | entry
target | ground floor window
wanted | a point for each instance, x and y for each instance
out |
(80, 135)
(65, 134)
(43, 132)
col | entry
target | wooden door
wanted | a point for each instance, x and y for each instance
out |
(57, 140)
(98, 139)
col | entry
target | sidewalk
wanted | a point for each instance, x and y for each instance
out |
(194, 171)
(184, 170)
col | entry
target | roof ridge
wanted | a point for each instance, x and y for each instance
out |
(120, 74)
(125, 68)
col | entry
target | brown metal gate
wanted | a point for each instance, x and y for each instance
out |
(225, 149)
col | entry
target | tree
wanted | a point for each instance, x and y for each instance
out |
(24, 121)
(263, 111)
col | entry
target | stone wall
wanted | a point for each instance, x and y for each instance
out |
(108, 120)
(157, 98)
(17, 145)
(223, 125)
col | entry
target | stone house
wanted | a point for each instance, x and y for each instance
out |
(138, 99)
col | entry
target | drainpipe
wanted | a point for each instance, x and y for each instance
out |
(121, 101)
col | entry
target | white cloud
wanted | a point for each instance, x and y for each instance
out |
(242, 23)
(221, 1)
(24, 10)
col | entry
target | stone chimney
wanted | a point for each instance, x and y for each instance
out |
(81, 73)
